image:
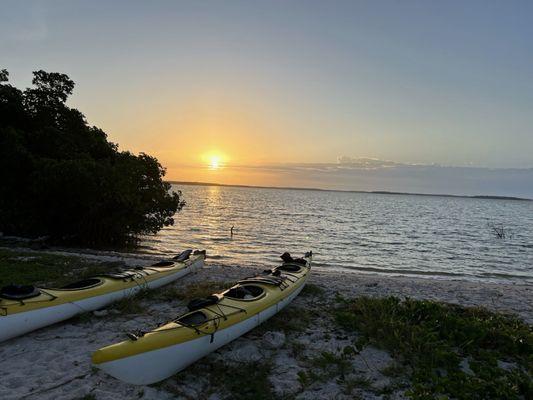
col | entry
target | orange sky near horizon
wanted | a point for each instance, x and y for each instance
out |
(224, 175)
(260, 86)
(238, 130)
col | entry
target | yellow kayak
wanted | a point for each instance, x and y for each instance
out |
(26, 308)
(211, 323)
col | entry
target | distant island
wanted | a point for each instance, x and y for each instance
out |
(352, 191)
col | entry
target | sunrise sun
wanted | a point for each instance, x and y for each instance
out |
(214, 162)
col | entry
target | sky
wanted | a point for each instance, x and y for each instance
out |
(426, 96)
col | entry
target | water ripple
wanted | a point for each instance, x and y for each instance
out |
(368, 233)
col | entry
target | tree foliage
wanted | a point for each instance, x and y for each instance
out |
(60, 177)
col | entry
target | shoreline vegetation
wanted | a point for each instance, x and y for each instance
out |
(487, 197)
(61, 178)
(345, 337)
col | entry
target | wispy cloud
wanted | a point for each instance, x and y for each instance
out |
(371, 174)
(365, 163)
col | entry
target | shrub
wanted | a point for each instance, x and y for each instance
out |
(61, 178)
(435, 340)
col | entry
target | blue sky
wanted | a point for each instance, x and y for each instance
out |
(415, 82)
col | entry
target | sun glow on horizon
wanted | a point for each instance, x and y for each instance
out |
(214, 160)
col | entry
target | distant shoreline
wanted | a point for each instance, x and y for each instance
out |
(352, 191)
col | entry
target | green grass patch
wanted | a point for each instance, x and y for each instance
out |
(432, 339)
(132, 304)
(394, 370)
(353, 383)
(241, 382)
(312, 290)
(326, 366)
(332, 365)
(297, 349)
(290, 319)
(34, 268)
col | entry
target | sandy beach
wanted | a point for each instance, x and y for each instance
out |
(386, 145)
(54, 362)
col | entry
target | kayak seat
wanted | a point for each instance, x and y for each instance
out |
(19, 292)
(194, 318)
(84, 284)
(289, 268)
(244, 292)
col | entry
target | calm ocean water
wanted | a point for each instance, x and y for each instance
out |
(412, 235)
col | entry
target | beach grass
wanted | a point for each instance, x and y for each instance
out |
(448, 351)
(37, 268)
(291, 319)
(325, 366)
(243, 381)
(312, 290)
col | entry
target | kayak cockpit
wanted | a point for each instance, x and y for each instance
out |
(289, 268)
(83, 284)
(194, 318)
(19, 292)
(245, 292)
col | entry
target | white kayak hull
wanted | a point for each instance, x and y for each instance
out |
(156, 365)
(20, 323)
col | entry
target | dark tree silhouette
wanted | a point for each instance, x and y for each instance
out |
(60, 177)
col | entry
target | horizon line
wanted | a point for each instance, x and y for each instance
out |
(487, 197)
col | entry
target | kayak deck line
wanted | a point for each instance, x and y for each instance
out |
(280, 282)
(137, 335)
(149, 357)
(48, 306)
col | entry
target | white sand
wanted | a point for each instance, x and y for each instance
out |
(54, 362)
